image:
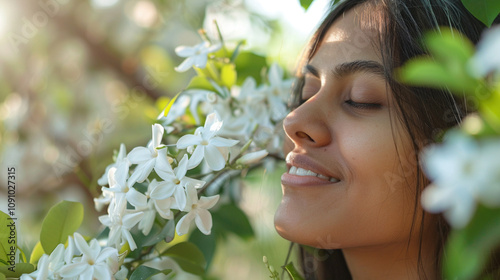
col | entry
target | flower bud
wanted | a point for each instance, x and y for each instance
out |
(251, 158)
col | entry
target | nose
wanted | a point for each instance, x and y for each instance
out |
(307, 125)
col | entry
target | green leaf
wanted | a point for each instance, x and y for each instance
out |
(306, 3)
(231, 218)
(206, 244)
(198, 82)
(18, 270)
(250, 64)
(145, 272)
(62, 220)
(467, 250)
(484, 10)
(448, 66)
(489, 109)
(5, 233)
(292, 272)
(449, 46)
(170, 104)
(37, 253)
(228, 75)
(2, 276)
(188, 257)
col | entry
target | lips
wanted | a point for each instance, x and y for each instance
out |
(303, 170)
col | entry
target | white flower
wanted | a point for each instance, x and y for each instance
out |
(48, 266)
(198, 212)
(175, 181)
(122, 164)
(464, 172)
(145, 158)
(120, 221)
(196, 55)
(252, 158)
(486, 58)
(207, 144)
(157, 203)
(278, 92)
(95, 263)
(119, 190)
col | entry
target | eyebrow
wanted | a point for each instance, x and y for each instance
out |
(348, 68)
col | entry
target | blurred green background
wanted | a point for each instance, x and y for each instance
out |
(79, 77)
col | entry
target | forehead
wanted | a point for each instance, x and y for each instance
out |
(353, 36)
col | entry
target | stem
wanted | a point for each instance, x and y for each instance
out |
(287, 258)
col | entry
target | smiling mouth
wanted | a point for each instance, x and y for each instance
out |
(304, 172)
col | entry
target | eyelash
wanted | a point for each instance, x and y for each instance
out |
(359, 105)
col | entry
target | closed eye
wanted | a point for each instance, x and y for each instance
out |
(359, 105)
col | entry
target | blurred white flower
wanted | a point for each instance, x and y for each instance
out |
(48, 266)
(145, 158)
(278, 92)
(95, 263)
(207, 144)
(252, 158)
(463, 172)
(196, 55)
(486, 59)
(122, 165)
(197, 211)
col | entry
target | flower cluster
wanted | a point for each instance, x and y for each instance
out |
(205, 136)
(80, 260)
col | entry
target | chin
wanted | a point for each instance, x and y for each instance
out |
(299, 227)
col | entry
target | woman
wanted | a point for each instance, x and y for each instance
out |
(353, 183)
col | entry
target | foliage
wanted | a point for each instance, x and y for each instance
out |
(466, 191)
(486, 11)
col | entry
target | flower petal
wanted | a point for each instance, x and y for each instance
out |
(185, 65)
(130, 240)
(180, 197)
(101, 272)
(196, 157)
(185, 51)
(139, 155)
(137, 199)
(188, 140)
(222, 142)
(162, 190)
(162, 164)
(107, 253)
(200, 60)
(208, 202)
(214, 158)
(184, 223)
(142, 171)
(73, 270)
(203, 221)
(181, 169)
(157, 134)
(82, 245)
(131, 219)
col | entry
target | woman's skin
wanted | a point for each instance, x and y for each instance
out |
(347, 130)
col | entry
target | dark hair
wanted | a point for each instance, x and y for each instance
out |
(424, 112)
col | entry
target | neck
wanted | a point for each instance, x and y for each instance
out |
(392, 261)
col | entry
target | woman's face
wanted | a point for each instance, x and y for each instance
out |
(350, 176)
